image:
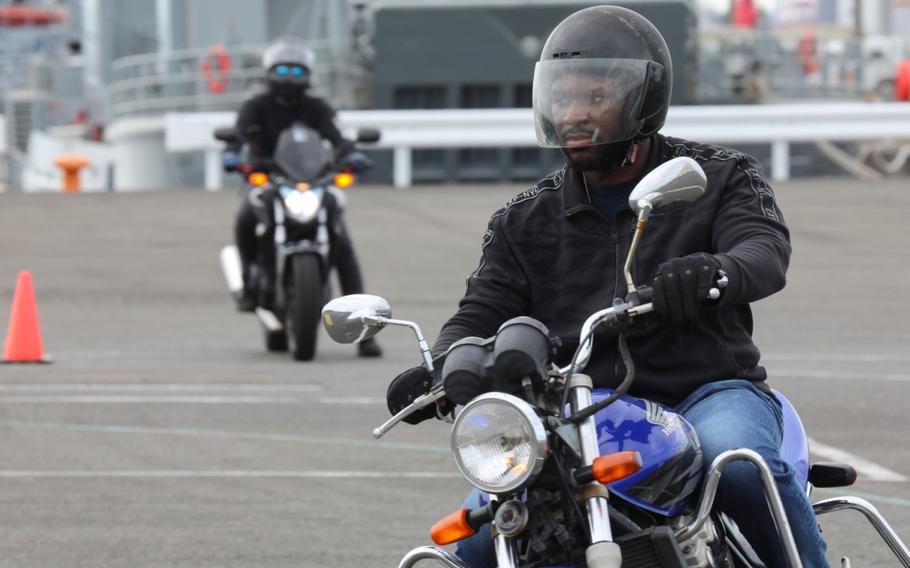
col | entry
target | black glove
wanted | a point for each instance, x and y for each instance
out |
(408, 386)
(230, 161)
(357, 161)
(681, 285)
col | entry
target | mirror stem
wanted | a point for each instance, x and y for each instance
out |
(421, 342)
(643, 213)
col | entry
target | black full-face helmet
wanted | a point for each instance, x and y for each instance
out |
(603, 77)
(288, 63)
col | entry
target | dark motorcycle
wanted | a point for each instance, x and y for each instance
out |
(563, 487)
(296, 200)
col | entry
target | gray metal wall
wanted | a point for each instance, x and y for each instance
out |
(483, 57)
(225, 21)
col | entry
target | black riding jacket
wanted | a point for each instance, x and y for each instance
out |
(262, 119)
(550, 255)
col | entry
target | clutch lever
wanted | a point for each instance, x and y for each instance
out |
(421, 401)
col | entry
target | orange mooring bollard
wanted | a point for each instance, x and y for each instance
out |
(71, 164)
(23, 336)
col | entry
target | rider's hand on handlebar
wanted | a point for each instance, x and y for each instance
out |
(681, 285)
(357, 161)
(230, 161)
(408, 386)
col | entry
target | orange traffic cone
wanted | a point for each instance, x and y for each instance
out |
(23, 336)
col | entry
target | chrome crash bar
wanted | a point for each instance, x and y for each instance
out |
(709, 492)
(873, 516)
(431, 553)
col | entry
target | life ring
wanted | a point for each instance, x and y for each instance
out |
(808, 53)
(902, 81)
(216, 68)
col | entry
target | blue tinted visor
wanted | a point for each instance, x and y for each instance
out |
(290, 71)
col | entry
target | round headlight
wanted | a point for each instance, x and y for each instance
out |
(499, 442)
(302, 206)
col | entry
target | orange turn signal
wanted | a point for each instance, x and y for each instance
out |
(258, 179)
(344, 180)
(613, 467)
(452, 528)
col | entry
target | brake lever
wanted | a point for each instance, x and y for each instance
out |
(421, 401)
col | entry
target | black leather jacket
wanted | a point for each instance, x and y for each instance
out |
(550, 255)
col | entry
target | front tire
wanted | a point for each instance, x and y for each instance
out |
(304, 293)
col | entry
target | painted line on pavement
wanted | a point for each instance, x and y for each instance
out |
(839, 357)
(366, 442)
(867, 470)
(328, 474)
(127, 399)
(224, 396)
(872, 497)
(351, 400)
(817, 374)
(158, 387)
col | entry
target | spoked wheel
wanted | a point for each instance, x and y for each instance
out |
(305, 290)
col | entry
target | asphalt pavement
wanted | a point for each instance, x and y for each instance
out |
(164, 435)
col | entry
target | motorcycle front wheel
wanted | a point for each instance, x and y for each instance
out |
(304, 305)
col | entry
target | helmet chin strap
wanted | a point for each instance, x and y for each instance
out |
(631, 155)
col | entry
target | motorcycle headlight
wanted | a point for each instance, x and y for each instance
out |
(499, 443)
(301, 206)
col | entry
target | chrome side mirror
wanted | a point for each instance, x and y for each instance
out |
(356, 317)
(676, 180)
(679, 179)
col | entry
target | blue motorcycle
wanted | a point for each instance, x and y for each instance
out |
(577, 476)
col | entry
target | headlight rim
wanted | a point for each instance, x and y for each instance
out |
(539, 442)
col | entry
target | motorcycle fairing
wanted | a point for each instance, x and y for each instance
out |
(301, 153)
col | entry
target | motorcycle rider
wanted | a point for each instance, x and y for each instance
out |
(261, 120)
(555, 252)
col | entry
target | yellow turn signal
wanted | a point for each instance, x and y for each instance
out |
(613, 467)
(452, 528)
(344, 180)
(258, 179)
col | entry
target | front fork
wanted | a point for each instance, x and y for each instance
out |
(284, 250)
(603, 552)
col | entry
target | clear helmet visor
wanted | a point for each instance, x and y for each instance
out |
(587, 102)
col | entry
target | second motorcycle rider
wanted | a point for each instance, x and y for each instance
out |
(288, 64)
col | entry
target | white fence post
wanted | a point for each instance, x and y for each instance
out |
(213, 172)
(780, 160)
(401, 167)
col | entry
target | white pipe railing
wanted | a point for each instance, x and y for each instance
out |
(403, 131)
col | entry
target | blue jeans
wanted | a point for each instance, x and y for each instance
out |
(727, 415)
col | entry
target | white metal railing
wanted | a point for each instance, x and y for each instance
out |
(406, 130)
(153, 83)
